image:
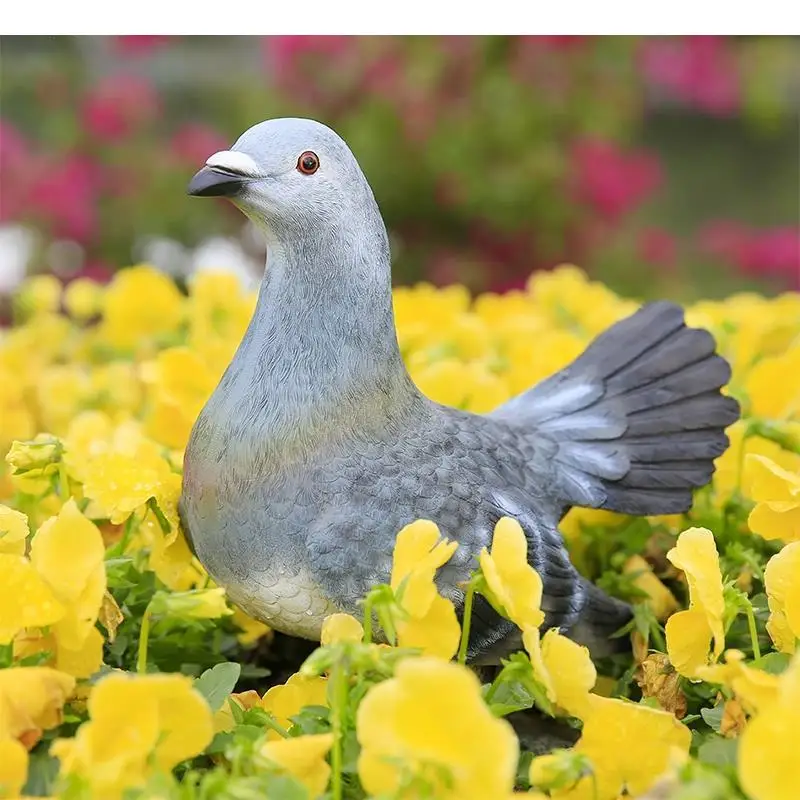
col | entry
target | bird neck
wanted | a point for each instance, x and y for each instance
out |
(321, 347)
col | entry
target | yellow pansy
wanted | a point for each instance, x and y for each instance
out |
(40, 293)
(120, 484)
(83, 298)
(223, 717)
(197, 604)
(341, 628)
(689, 632)
(773, 386)
(754, 687)
(13, 531)
(141, 304)
(13, 767)
(68, 552)
(31, 701)
(286, 700)
(303, 757)
(136, 724)
(26, 601)
(777, 495)
(630, 746)
(782, 584)
(405, 726)
(515, 586)
(767, 757)
(563, 667)
(429, 620)
(660, 599)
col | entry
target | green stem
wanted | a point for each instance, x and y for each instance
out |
(466, 623)
(63, 483)
(339, 679)
(751, 624)
(368, 618)
(274, 725)
(144, 635)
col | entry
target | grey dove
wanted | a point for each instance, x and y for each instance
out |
(316, 448)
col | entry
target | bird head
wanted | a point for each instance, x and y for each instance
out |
(286, 175)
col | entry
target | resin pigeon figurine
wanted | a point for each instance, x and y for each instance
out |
(316, 448)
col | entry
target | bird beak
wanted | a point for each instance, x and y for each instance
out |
(211, 182)
(223, 175)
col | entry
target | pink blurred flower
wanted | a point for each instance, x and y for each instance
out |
(284, 51)
(656, 246)
(773, 252)
(140, 45)
(613, 182)
(64, 196)
(700, 70)
(119, 106)
(194, 142)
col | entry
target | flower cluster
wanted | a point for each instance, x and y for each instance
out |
(125, 672)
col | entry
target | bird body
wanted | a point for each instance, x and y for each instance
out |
(316, 448)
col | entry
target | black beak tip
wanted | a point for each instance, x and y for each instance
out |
(209, 182)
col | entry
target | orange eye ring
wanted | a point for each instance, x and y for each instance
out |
(308, 163)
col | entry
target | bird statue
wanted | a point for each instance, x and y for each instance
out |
(316, 447)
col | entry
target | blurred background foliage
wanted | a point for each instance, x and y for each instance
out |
(660, 165)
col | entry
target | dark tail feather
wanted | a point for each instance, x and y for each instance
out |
(638, 418)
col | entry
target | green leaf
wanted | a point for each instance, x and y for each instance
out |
(713, 716)
(718, 751)
(217, 683)
(774, 663)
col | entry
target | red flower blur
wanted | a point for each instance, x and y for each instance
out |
(119, 106)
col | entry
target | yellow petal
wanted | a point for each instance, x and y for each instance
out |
(571, 670)
(765, 480)
(418, 547)
(13, 767)
(410, 719)
(783, 594)
(776, 520)
(26, 601)
(13, 531)
(767, 759)
(437, 633)
(688, 641)
(696, 554)
(514, 583)
(223, 718)
(83, 661)
(303, 757)
(286, 700)
(31, 700)
(341, 628)
(66, 551)
(533, 645)
(81, 614)
(659, 598)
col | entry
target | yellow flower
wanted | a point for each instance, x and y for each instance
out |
(251, 629)
(782, 584)
(659, 598)
(41, 293)
(286, 700)
(68, 552)
(777, 495)
(31, 701)
(37, 457)
(406, 725)
(689, 632)
(767, 758)
(515, 586)
(303, 757)
(341, 628)
(121, 484)
(773, 386)
(563, 667)
(13, 767)
(26, 601)
(630, 747)
(429, 621)
(754, 687)
(13, 531)
(136, 724)
(83, 298)
(140, 304)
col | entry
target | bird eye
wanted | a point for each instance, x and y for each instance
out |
(308, 163)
